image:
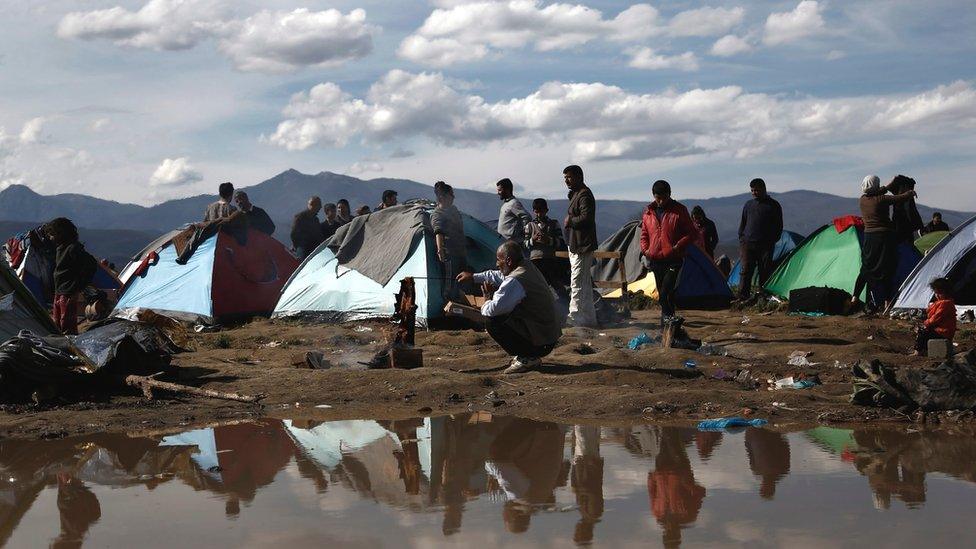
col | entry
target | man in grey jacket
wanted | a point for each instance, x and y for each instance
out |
(580, 224)
(512, 217)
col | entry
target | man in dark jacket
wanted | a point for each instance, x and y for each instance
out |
(580, 225)
(759, 230)
(707, 229)
(74, 269)
(306, 233)
(936, 225)
(256, 217)
(331, 223)
(666, 233)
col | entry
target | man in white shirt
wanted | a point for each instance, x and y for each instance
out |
(520, 308)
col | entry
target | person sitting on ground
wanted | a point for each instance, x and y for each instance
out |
(666, 232)
(362, 210)
(512, 217)
(256, 217)
(74, 269)
(936, 224)
(342, 211)
(759, 231)
(306, 232)
(389, 200)
(707, 229)
(331, 223)
(452, 247)
(520, 309)
(222, 207)
(940, 323)
(543, 237)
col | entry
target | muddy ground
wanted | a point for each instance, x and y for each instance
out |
(591, 375)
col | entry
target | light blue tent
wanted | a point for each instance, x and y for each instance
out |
(788, 241)
(324, 290)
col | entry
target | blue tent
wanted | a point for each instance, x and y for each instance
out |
(324, 289)
(788, 240)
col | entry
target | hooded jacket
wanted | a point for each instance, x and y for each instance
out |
(666, 239)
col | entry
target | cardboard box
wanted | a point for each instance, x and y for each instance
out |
(475, 301)
(465, 311)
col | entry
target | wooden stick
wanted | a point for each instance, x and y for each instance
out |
(148, 383)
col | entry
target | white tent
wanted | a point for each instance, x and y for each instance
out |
(954, 257)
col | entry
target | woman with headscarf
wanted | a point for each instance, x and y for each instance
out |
(879, 251)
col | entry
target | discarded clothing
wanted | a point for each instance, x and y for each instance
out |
(727, 422)
(949, 386)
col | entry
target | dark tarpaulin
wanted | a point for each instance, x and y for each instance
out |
(378, 243)
(627, 241)
(949, 386)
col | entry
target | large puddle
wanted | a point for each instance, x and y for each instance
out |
(478, 479)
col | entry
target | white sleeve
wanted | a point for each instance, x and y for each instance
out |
(494, 278)
(508, 295)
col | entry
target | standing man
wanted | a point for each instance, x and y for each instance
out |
(452, 248)
(512, 217)
(331, 223)
(759, 230)
(580, 225)
(389, 199)
(543, 238)
(343, 213)
(936, 224)
(707, 229)
(306, 233)
(520, 310)
(222, 207)
(666, 232)
(256, 217)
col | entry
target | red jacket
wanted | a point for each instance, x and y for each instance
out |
(667, 239)
(942, 318)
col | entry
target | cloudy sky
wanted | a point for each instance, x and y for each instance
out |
(148, 100)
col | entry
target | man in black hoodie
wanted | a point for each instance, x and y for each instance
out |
(74, 269)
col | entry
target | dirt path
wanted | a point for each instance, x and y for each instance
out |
(591, 375)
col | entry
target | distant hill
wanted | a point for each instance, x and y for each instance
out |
(286, 193)
(116, 245)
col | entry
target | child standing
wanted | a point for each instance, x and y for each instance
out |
(74, 269)
(941, 320)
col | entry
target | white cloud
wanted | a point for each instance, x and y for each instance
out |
(267, 41)
(648, 59)
(31, 132)
(834, 55)
(730, 45)
(285, 41)
(365, 166)
(785, 27)
(174, 172)
(705, 21)
(158, 25)
(100, 124)
(471, 31)
(602, 122)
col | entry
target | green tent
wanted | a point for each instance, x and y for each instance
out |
(831, 259)
(826, 258)
(928, 241)
(836, 441)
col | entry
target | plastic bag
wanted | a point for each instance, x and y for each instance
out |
(726, 422)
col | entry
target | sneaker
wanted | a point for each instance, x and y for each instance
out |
(520, 365)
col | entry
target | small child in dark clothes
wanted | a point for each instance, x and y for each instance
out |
(74, 269)
(941, 320)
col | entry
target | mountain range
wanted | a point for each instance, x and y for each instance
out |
(116, 230)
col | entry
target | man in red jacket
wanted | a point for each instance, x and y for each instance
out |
(666, 232)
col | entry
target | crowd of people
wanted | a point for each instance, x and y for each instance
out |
(530, 278)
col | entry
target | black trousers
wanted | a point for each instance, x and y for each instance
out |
(514, 343)
(922, 340)
(556, 272)
(754, 256)
(667, 275)
(879, 261)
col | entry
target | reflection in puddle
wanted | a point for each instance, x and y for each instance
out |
(486, 479)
